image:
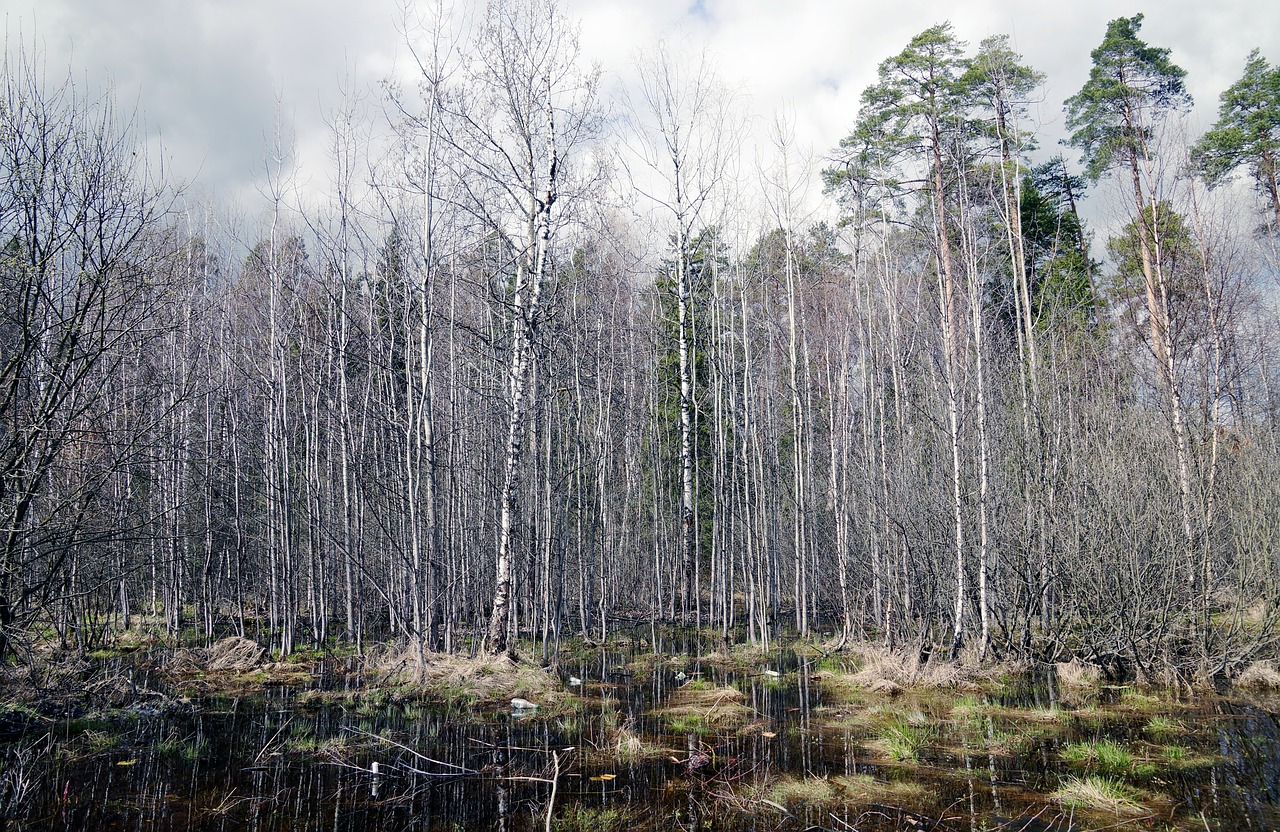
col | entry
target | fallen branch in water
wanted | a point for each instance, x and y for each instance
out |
(458, 771)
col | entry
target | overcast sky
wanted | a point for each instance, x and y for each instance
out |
(204, 73)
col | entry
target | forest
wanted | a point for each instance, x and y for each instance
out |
(527, 373)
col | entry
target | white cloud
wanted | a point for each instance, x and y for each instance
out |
(204, 73)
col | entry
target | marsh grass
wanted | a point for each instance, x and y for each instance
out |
(903, 740)
(1133, 699)
(1261, 675)
(1102, 794)
(579, 818)
(1181, 758)
(847, 789)
(182, 749)
(741, 657)
(689, 723)
(1104, 756)
(704, 710)
(968, 707)
(627, 746)
(1043, 715)
(909, 668)
(95, 742)
(1004, 741)
(479, 680)
(1077, 674)
(1161, 727)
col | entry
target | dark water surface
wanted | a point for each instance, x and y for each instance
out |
(986, 760)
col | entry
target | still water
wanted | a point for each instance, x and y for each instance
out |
(798, 755)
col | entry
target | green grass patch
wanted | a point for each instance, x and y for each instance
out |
(847, 789)
(688, 723)
(93, 742)
(181, 749)
(1135, 700)
(1180, 758)
(1161, 727)
(578, 818)
(904, 741)
(967, 706)
(1103, 756)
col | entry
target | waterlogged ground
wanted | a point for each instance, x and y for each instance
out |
(783, 744)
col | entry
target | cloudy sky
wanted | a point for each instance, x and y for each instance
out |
(205, 74)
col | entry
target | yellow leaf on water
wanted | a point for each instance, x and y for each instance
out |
(604, 777)
(126, 762)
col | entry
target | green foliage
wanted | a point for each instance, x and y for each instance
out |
(1177, 258)
(1131, 87)
(706, 257)
(1247, 131)
(1057, 266)
(916, 101)
(997, 77)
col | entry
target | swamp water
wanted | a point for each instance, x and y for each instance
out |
(655, 747)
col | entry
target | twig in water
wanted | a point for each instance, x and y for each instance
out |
(458, 771)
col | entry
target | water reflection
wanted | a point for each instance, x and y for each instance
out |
(264, 763)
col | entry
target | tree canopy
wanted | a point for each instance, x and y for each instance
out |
(1131, 87)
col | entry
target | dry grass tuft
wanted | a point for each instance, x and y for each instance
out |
(890, 672)
(230, 655)
(235, 653)
(1078, 674)
(485, 679)
(885, 686)
(1261, 674)
(1102, 794)
(627, 746)
(713, 707)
